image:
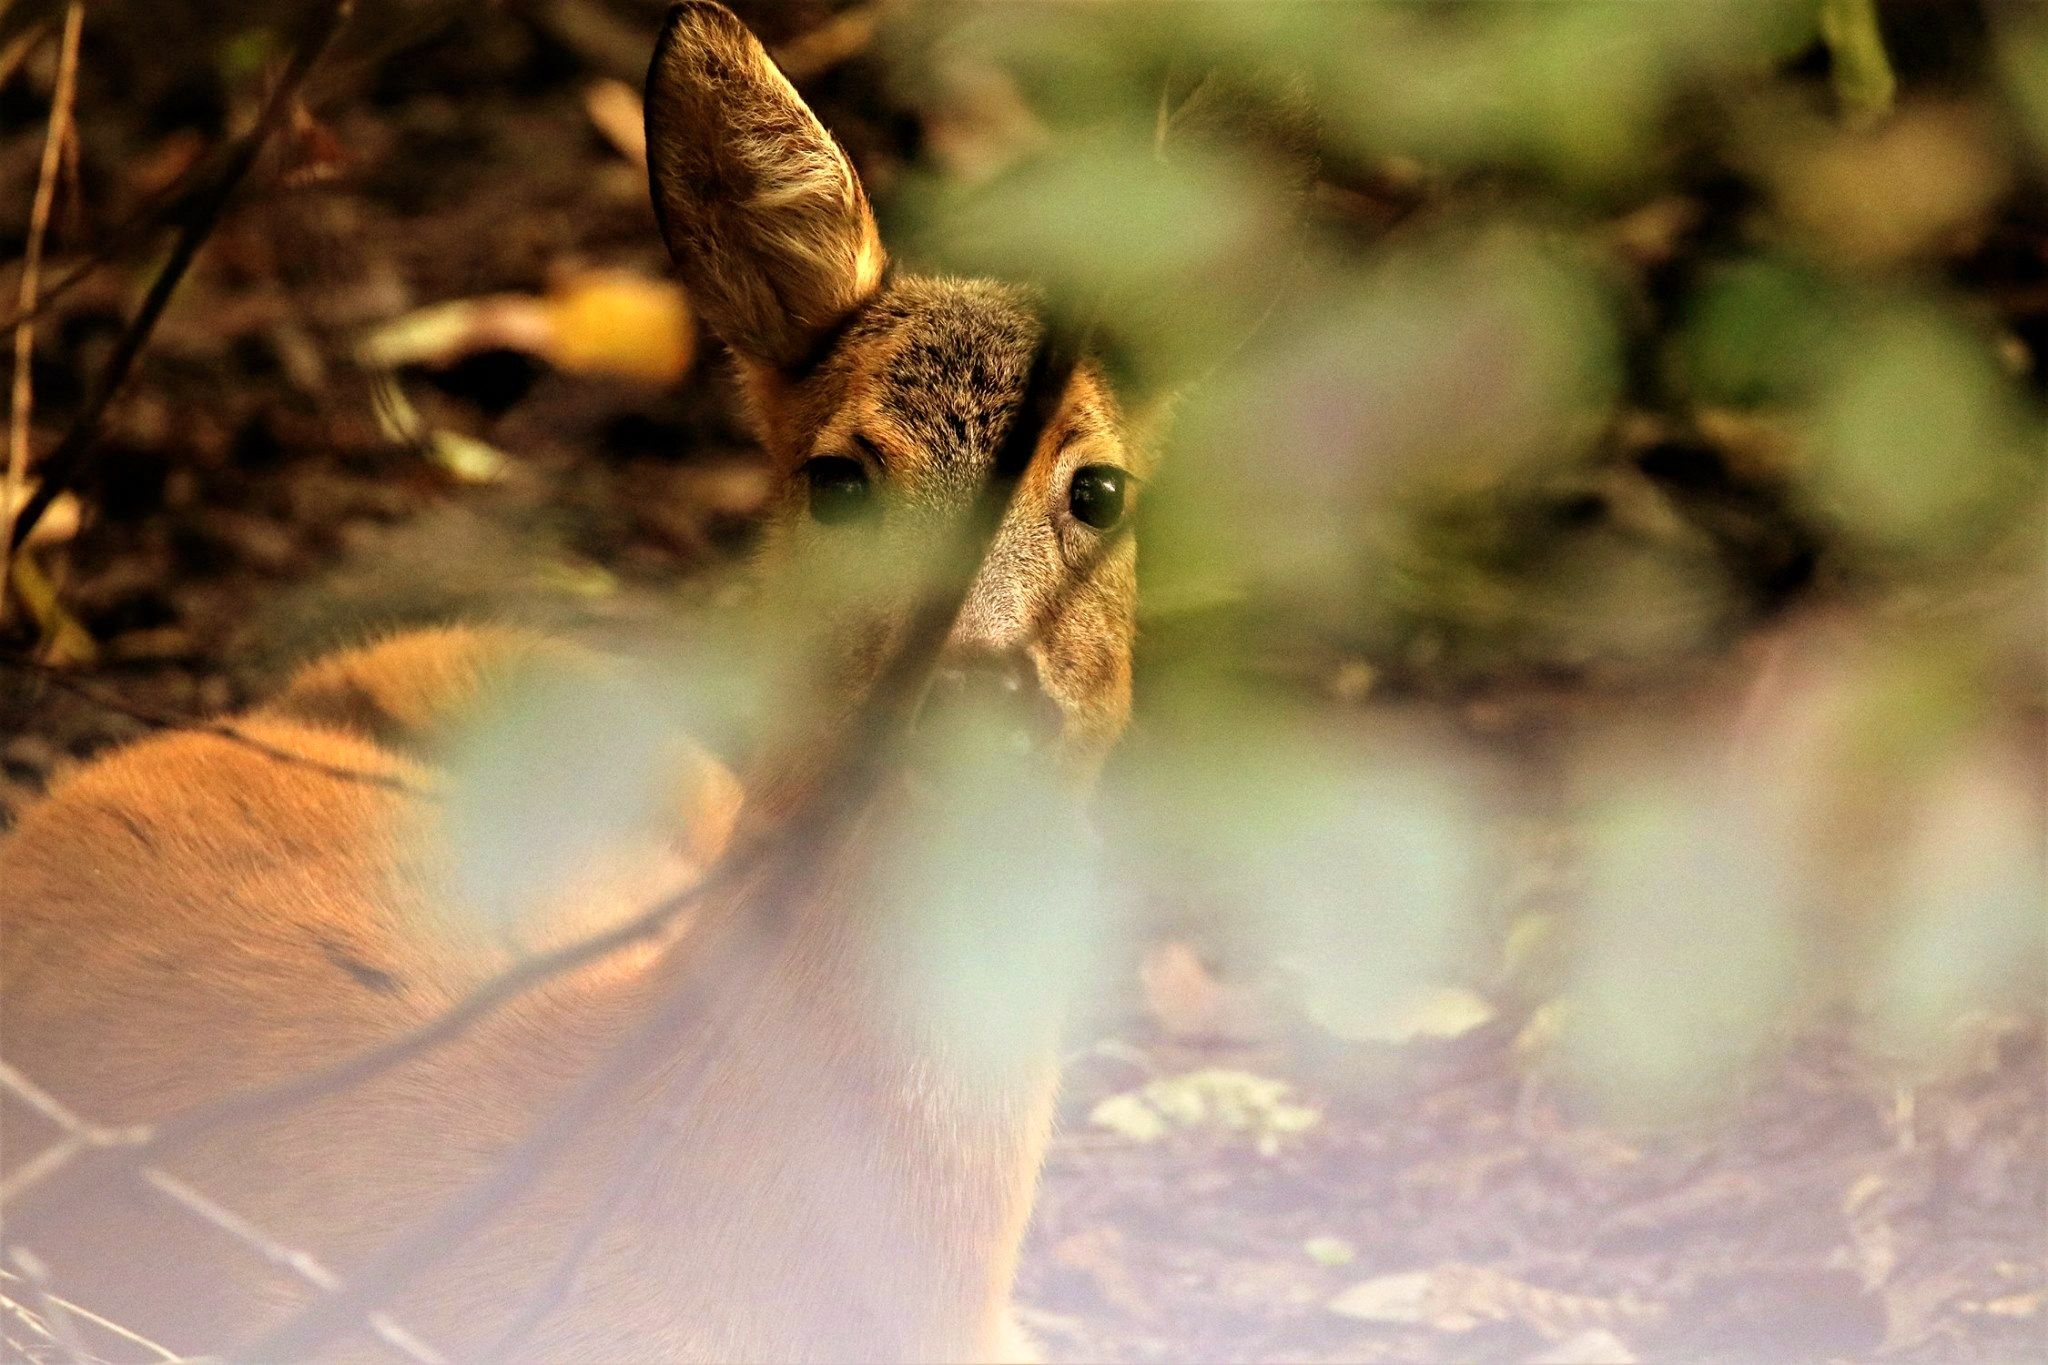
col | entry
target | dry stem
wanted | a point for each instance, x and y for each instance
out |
(31, 279)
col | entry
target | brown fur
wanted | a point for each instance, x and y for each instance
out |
(188, 916)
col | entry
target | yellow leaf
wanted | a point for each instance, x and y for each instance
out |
(615, 111)
(609, 322)
(1404, 1297)
(615, 322)
(1130, 1117)
(64, 640)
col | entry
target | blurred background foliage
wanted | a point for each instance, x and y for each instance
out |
(1627, 412)
(1688, 355)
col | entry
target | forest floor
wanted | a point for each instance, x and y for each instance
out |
(1442, 1201)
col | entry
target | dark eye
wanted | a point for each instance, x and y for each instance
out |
(1096, 496)
(837, 488)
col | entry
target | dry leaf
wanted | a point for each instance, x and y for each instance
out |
(1594, 1346)
(616, 322)
(1403, 1297)
(1457, 1298)
(604, 322)
(1435, 1012)
(1130, 1117)
(1183, 995)
(616, 112)
(60, 518)
(2016, 1305)
(1216, 1097)
(1329, 1251)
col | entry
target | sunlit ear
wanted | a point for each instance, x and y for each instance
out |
(764, 216)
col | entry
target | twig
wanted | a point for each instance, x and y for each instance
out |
(132, 1147)
(172, 202)
(157, 1349)
(54, 1318)
(301, 1263)
(63, 466)
(655, 1132)
(164, 720)
(82, 1135)
(50, 1107)
(838, 39)
(160, 207)
(61, 100)
(18, 48)
(40, 1166)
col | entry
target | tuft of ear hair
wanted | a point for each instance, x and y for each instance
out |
(763, 214)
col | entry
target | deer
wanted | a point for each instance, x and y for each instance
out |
(799, 1168)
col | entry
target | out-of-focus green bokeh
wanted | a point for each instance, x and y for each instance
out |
(1673, 355)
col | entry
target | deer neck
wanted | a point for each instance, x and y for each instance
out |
(900, 1163)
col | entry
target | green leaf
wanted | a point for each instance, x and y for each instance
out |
(1862, 71)
(1329, 1251)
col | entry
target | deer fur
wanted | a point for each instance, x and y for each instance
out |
(188, 916)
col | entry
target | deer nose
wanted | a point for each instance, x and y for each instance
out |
(992, 698)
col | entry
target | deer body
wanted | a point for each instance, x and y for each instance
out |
(739, 1212)
(191, 916)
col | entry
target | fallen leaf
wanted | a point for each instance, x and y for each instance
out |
(1180, 990)
(1403, 1297)
(59, 521)
(63, 640)
(467, 458)
(616, 112)
(1130, 1117)
(1329, 1251)
(1216, 1097)
(603, 322)
(443, 333)
(617, 322)
(1594, 1346)
(2017, 1305)
(1438, 1012)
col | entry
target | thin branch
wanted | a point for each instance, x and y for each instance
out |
(55, 1319)
(20, 47)
(48, 1105)
(61, 102)
(81, 1135)
(166, 721)
(40, 1166)
(300, 1263)
(63, 467)
(158, 209)
(138, 1145)
(170, 203)
(400, 1263)
(157, 1349)
(655, 1132)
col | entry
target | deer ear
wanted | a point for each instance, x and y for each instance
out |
(767, 223)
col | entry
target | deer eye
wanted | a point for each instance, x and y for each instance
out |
(1096, 496)
(836, 488)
